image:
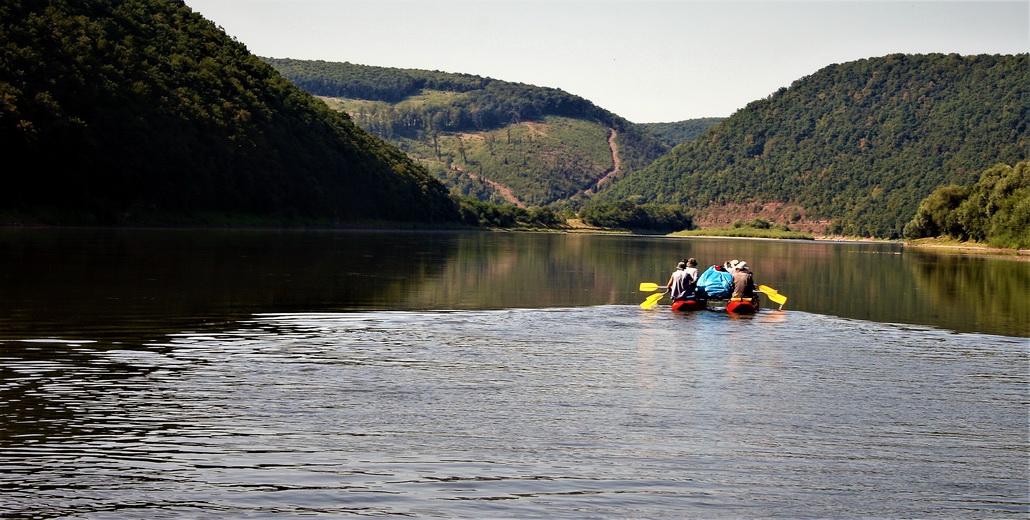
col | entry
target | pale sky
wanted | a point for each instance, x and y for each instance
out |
(645, 60)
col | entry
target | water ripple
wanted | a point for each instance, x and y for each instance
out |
(601, 412)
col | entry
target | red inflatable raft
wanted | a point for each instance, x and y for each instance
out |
(742, 305)
(732, 305)
(689, 305)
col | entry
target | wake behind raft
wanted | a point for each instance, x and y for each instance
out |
(714, 291)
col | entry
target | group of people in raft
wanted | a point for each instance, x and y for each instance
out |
(730, 281)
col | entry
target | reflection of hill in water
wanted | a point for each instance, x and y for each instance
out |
(975, 290)
(87, 282)
(136, 285)
(852, 281)
(133, 291)
(504, 270)
(886, 283)
(877, 282)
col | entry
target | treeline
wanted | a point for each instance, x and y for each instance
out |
(123, 111)
(623, 215)
(861, 143)
(627, 214)
(995, 210)
(486, 214)
(486, 103)
(391, 85)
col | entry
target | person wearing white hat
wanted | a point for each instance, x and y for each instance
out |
(743, 283)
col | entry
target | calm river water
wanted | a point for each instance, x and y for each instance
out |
(251, 374)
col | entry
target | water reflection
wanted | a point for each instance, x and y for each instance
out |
(990, 292)
(131, 285)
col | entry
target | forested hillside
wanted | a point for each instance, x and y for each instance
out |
(680, 132)
(124, 111)
(488, 139)
(861, 143)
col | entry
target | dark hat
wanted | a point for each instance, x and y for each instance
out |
(692, 262)
(681, 265)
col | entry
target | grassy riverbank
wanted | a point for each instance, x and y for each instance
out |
(956, 247)
(744, 232)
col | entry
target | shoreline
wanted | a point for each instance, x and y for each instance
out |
(972, 250)
(927, 245)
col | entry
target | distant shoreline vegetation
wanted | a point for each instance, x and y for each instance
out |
(950, 246)
(994, 211)
(744, 232)
(756, 228)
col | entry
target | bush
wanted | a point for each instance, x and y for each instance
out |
(760, 223)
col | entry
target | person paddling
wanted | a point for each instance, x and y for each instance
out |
(743, 282)
(683, 280)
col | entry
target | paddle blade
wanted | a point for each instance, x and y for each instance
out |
(773, 294)
(652, 300)
(649, 287)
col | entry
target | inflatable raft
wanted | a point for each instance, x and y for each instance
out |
(731, 305)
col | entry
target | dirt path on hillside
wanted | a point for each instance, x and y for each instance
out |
(505, 191)
(616, 164)
(610, 173)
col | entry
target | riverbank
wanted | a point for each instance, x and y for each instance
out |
(745, 232)
(949, 246)
(933, 245)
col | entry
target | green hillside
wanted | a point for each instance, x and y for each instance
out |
(485, 138)
(861, 143)
(126, 111)
(680, 132)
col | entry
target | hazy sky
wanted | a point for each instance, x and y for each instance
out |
(645, 60)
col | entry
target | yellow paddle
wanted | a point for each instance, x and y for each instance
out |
(773, 294)
(652, 300)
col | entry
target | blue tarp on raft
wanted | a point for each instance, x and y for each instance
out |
(714, 284)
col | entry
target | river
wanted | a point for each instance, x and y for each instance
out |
(252, 374)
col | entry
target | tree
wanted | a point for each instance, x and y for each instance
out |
(936, 214)
(995, 210)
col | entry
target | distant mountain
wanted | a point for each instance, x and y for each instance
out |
(485, 138)
(124, 111)
(680, 132)
(859, 143)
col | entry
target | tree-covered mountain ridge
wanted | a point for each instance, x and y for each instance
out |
(131, 111)
(486, 138)
(859, 143)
